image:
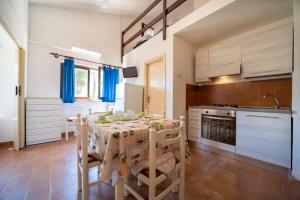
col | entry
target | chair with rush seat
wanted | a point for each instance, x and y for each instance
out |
(71, 120)
(85, 160)
(152, 174)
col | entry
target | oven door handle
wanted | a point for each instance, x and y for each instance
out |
(219, 118)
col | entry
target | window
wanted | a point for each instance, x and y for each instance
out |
(81, 82)
(87, 83)
(94, 84)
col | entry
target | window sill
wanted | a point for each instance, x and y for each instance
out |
(88, 100)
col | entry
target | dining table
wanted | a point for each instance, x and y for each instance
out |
(122, 144)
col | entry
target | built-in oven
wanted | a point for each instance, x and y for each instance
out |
(218, 128)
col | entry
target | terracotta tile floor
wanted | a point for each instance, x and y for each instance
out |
(48, 171)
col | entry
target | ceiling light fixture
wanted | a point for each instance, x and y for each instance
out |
(86, 52)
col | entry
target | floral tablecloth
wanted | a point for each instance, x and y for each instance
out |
(122, 144)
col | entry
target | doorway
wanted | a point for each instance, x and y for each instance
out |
(155, 86)
(9, 90)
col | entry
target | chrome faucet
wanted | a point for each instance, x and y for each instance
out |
(276, 100)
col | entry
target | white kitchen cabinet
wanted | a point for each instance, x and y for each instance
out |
(43, 120)
(264, 136)
(201, 65)
(268, 52)
(225, 58)
(194, 124)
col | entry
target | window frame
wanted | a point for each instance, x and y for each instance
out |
(78, 66)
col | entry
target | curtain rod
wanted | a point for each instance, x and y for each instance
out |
(56, 55)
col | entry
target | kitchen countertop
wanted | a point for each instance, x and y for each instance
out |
(285, 110)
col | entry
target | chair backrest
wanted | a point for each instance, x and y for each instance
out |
(99, 113)
(157, 116)
(72, 111)
(166, 137)
(82, 137)
(93, 116)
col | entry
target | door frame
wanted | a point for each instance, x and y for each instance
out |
(21, 107)
(146, 65)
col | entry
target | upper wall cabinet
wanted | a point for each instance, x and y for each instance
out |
(225, 58)
(268, 52)
(201, 65)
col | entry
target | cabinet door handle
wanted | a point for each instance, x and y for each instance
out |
(225, 64)
(219, 118)
(263, 116)
(266, 71)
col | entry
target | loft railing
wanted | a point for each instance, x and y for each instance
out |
(162, 16)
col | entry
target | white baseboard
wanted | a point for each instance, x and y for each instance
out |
(296, 176)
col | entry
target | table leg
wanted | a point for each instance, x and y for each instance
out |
(119, 189)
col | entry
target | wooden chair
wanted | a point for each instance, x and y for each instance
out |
(85, 160)
(152, 176)
(94, 116)
(99, 113)
(71, 120)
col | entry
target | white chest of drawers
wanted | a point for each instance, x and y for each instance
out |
(43, 120)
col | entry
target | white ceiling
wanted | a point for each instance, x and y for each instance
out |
(119, 7)
(237, 17)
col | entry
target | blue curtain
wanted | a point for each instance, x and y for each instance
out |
(110, 80)
(68, 82)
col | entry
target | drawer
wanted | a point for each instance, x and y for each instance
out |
(194, 138)
(43, 107)
(194, 112)
(57, 118)
(43, 101)
(43, 113)
(32, 138)
(195, 128)
(194, 121)
(43, 141)
(194, 132)
(40, 125)
(43, 131)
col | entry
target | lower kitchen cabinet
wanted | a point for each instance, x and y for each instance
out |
(194, 124)
(264, 136)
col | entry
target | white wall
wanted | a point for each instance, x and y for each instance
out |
(296, 92)
(183, 72)
(14, 16)
(149, 50)
(179, 70)
(199, 3)
(57, 30)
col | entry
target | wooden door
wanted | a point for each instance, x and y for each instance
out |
(155, 86)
